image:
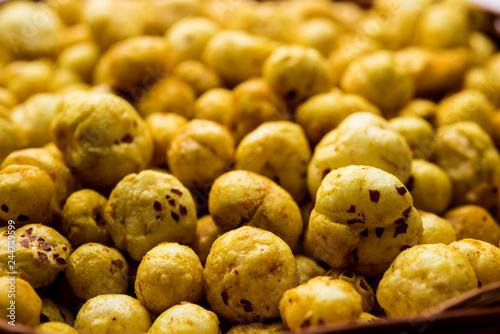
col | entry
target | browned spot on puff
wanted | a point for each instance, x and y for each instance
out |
(171, 202)
(182, 210)
(29, 230)
(325, 173)
(61, 261)
(174, 216)
(236, 271)
(65, 248)
(399, 221)
(364, 233)
(352, 209)
(176, 191)
(379, 231)
(157, 205)
(224, 296)
(355, 255)
(41, 240)
(404, 247)
(407, 211)
(25, 243)
(354, 221)
(46, 247)
(247, 306)
(55, 256)
(117, 263)
(41, 256)
(400, 229)
(32, 238)
(306, 323)
(374, 195)
(127, 138)
(168, 197)
(401, 190)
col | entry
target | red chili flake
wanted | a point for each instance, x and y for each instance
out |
(171, 202)
(400, 229)
(127, 138)
(46, 247)
(41, 240)
(28, 230)
(65, 248)
(352, 209)
(174, 216)
(401, 190)
(61, 261)
(55, 256)
(117, 263)
(42, 256)
(176, 191)
(25, 243)
(399, 221)
(32, 238)
(157, 205)
(407, 211)
(374, 195)
(182, 210)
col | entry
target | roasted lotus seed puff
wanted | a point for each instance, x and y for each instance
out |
(420, 107)
(102, 137)
(82, 218)
(296, 72)
(23, 34)
(27, 78)
(216, 105)
(80, 58)
(443, 25)
(206, 233)
(307, 268)
(366, 317)
(197, 74)
(43, 158)
(483, 257)
(323, 112)
(186, 318)
(430, 186)
(27, 305)
(187, 38)
(258, 328)
(53, 312)
(359, 283)
(467, 105)
(361, 139)
(7, 98)
(485, 79)
(163, 128)
(11, 135)
(148, 208)
(322, 300)
(432, 274)
(113, 313)
(473, 166)
(160, 15)
(55, 327)
(254, 103)
(28, 194)
(363, 218)
(318, 33)
(94, 269)
(170, 94)
(419, 134)
(381, 80)
(200, 151)
(437, 230)
(246, 274)
(132, 64)
(240, 198)
(473, 221)
(41, 253)
(278, 150)
(35, 115)
(169, 274)
(228, 50)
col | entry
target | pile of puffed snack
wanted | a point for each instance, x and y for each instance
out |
(240, 166)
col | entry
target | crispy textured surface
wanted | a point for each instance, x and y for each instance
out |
(359, 283)
(322, 300)
(246, 274)
(148, 208)
(186, 318)
(95, 269)
(113, 313)
(41, 253)
(424, 276)
(169, 274)
(474, 221)
(436, 229)
(242, 198)
(307, 268)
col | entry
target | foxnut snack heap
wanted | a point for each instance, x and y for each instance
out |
(216, 166)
